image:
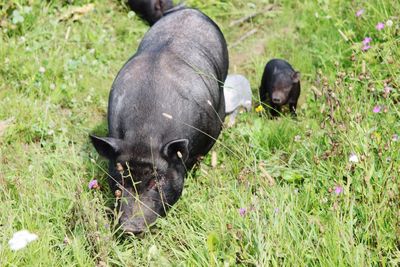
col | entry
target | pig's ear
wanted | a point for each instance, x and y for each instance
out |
(157, 5)
(107, 147)
(296, 77)
(177, 149)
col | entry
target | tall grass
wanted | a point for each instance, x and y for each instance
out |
(55, 78)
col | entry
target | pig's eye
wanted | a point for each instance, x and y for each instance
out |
(147, 172)
(152, 184)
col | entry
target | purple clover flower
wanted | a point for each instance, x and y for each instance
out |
(366, 47)
(359, 12)
(338, 190)
(242, 212)
(395, 137)
(377, 109)
(380, 26)
(93, 184)
(367, 40)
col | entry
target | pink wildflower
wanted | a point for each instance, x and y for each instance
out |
(377, 109)
(338, 190)
(359, 12)
(93, 184)
(387, 89)
(395, 137)
(367, 40)
(380, 26)
(366, 47)
(242, 212)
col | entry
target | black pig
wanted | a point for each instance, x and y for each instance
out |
(280, 85)
(150, 10)
(165, 111)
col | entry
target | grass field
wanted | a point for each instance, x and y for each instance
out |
(322, 190)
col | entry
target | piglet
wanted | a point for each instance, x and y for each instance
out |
(237, 93)
(280, 85)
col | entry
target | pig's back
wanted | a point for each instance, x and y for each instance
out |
(176, 71)
(191, 36)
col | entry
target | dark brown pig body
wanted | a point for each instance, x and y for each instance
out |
(280, 85)
(165, 111)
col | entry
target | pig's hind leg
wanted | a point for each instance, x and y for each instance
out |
(292, 108)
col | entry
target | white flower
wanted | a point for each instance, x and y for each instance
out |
(20, 239)
(389, 23)
(353, 158)
(42, 69)
(131, 14)
(153, 252)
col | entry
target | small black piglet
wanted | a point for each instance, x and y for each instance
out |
(280, 85)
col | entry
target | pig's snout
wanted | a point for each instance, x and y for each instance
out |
(278, 98)
(139, 212)
(132, 227)
(137, 218)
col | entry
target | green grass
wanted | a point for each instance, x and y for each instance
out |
(46, 160)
